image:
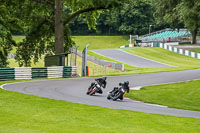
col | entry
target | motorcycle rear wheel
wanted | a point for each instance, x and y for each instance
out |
(117, 96)
(108, 97)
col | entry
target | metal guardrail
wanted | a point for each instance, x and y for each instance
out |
(7, 74)
(37, 72)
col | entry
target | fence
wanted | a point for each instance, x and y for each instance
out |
(104, 63)
(37, 72)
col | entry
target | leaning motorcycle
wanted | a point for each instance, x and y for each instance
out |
(95, 87)
(118, 92)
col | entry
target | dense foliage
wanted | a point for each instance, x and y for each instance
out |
(131, 18)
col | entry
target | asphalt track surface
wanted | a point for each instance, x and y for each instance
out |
(74, 90)
(130, 59)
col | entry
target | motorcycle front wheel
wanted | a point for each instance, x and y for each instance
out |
(92, 92)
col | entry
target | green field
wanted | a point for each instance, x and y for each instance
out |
(177, 95)
(100, 42)
(167, 57)
(197, 50)
(21, 113)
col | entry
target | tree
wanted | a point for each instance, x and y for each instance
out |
(176, 12)
(45, 24)
(131, 18)
(8, 24)
(189, 11)
(135, 17)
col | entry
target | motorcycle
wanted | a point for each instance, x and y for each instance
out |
(118, 92)
(95, 87)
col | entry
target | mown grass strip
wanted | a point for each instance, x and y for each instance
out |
(167, 57)
(26, 113)
(197, 50)
(178, 95)
(100, 42)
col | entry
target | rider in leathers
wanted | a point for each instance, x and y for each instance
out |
(102, 82)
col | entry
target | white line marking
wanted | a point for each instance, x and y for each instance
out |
(109, 57)
(136, 88)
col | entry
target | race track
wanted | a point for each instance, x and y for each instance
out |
(127, 58)
(74, 90)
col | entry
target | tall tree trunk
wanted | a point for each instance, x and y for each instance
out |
(59, 30)
(194, 36)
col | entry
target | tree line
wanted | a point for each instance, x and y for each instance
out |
(48, 24)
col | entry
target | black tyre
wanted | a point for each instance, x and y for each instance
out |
(89, 90)
(92, 92)
(121, 98)
(118, 95)
(108, 97)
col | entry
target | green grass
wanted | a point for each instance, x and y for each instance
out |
(197, 50)
(177, 95)
(100, 42)
(20, 113)
(40, 63)
(167, 57)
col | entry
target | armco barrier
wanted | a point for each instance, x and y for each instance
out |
(37, 72)
(55, 72)
(67, 72)
(23, 73)
(7, 74)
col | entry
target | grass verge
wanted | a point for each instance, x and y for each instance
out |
(167, 57)
(100, 42)
(177, 95)
(197, 50)
(26, 113)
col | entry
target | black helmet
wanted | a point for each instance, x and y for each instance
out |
(126, 83)
(104, 78)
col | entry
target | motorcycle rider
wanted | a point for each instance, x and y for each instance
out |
(102, 83)
(115, 90)
(125, 86)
